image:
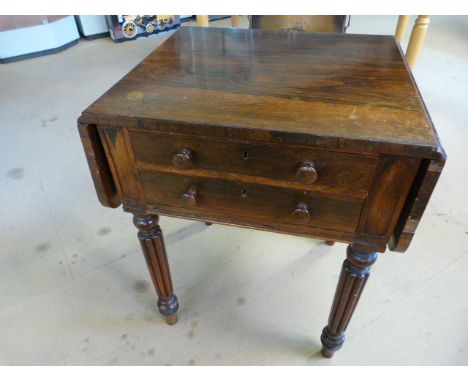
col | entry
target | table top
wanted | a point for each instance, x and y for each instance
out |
(344, 90)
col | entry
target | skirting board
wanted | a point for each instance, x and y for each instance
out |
(38, 40)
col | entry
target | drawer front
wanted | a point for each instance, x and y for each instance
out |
(250, 203)
(326, 171)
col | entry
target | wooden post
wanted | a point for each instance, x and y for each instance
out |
(416, 40)
(235, 21)
(401, 27)
(154, 250)
(354, 274)
(202, 21)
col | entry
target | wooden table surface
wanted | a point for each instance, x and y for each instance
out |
(351, 92)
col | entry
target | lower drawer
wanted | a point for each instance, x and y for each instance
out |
(248, 203)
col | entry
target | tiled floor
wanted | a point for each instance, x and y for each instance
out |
(74, 288)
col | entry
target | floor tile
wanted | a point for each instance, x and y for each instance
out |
(32, 259)
(92, 235)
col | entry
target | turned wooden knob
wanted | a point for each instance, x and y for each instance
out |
(306, 173)
(301, 213)
(189, 199)
(182, 159)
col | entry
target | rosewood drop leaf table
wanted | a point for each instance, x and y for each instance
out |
(311, 134)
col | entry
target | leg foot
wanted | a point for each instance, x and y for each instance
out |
(331, 342)
(171, 320)
(329, 242)
(354, 274)
(169, 308)
(327, 353)
(154, 250)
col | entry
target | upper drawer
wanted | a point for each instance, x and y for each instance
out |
(319, 170)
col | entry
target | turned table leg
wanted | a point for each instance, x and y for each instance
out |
(235, 21)
(354, 274)
(418, 34)
(401, 27)
(203, 21)
(152, 244)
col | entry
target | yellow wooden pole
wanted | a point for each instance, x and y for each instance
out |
(202, 21)
(416, 40)
(401, 27)
(235, 21)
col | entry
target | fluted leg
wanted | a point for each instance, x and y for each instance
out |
(354, 274)
(152, 244)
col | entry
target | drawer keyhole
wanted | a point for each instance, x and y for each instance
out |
(244, 193)
(246, 155)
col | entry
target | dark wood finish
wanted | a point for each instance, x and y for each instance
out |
(353, 278)
(306, 173)
(416, 204)
(301, 214)
(332, 172)
(318, 135)
(346, 92)
(248, 202)
(122, 165)
(392, 180)
(99, 166)
(152, 245)
(182, 158)
(189, 198)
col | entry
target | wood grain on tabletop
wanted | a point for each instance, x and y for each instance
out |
(328, 85)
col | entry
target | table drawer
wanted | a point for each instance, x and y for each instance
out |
(249, 202)
(326, 171)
